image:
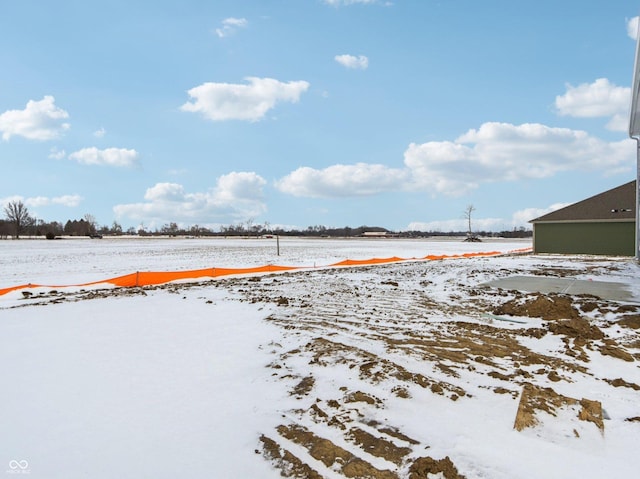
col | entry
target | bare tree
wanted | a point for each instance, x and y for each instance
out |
(170, 229)
(116, 228)
(18, 215)
(249, 226)
(92, 224)
(467, 216)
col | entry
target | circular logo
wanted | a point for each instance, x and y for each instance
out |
(13, 464)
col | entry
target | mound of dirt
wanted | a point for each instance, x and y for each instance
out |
(592, 411)
(535, 399)
(630, 321)
(576, 328)
(426, 467)
(611, 349)
(359, 396)
(548, 307)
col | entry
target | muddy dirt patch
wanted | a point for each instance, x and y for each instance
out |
(331, 455)
(578, 328)
(536, 399)
(549, 307)
(427, 467)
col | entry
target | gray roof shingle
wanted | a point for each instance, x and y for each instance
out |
(617, 204)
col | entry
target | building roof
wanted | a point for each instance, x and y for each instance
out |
(617, 204)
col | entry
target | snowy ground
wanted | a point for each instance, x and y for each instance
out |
(377, 371)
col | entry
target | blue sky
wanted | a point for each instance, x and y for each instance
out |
(313, 112)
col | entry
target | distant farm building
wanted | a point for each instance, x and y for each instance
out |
(604, 224)
(375, 234)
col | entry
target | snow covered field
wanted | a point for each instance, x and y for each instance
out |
(378, 371)
(80, 260)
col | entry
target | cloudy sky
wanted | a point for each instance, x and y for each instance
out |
(313, 112)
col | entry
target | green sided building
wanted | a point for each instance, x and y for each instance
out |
(604, 224)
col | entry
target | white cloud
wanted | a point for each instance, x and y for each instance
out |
(230, 25)
(632, 28)
(37, 201)
(360, 179)
(618, 122)
(67, 200)
(598, 99)
(100, 133)
(360, 62)
(40, 120)
(165, 192)
(237, 195)
(528, 214)
(229, 101)
(40, 201)
(240, 186)
(109, 156)
(493, 153)
(505, 152)
(56, 154)
(459, 225)
(8, 199)
(519, 219)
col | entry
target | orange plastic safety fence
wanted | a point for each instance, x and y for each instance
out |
(149, 278)
(13, 288)
(358, 262)
(146, 278)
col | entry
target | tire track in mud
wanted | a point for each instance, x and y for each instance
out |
(361, 342)
(366, 338)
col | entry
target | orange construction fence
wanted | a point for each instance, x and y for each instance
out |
(142, 278)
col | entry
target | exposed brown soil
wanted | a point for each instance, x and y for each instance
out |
(389, 431)
(359, 396)
(578, 328)
(331, 455)
(549, 307)
(304, 386)
(611, 349)
(290, 465)
(591, 411)
(630, 321)
(423, 467)
(378, 446)
(411, 325)
(358, 341)
(535, 399)
(374, 368)
(619, 382)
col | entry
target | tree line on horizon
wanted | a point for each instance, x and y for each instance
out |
(18, 221)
